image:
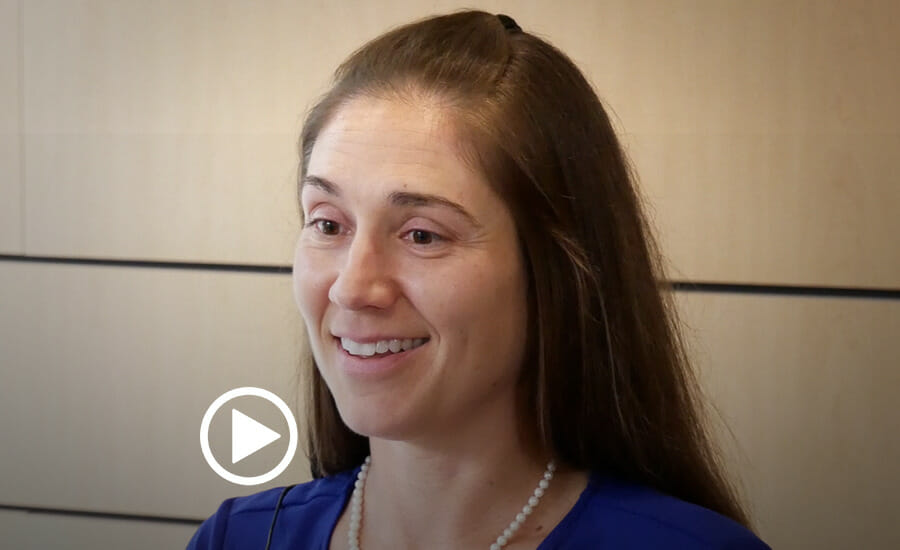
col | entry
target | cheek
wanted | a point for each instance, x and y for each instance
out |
(310, 287)
(479, 307)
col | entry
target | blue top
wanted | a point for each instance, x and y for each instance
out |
(609, 514)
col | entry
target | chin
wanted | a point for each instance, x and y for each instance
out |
(383, 422)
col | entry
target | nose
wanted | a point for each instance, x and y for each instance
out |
(364, 279)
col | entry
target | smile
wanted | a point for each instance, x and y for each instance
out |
(381, 347)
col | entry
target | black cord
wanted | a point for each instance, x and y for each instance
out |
(275, 515)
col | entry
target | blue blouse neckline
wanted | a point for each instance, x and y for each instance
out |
(555, 537)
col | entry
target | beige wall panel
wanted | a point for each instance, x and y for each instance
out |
(107, 372)
(766, 134)
(808, 387)
(163, 129)
(831, 221)
(48, 532)
(10, 115)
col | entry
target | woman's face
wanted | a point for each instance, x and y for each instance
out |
(407, 274)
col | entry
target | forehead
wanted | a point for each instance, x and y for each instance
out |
(389, 145)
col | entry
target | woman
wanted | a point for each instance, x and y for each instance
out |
(493, 363)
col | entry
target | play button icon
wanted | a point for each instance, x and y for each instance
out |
(248, 436)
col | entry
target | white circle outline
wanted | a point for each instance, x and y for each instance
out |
(214, 408)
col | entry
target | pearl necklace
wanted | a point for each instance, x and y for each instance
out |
(360, 485)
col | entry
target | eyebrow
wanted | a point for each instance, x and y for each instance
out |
(397, 198)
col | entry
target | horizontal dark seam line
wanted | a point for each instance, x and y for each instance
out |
(678, 286)
(103, 515)
(159, 264)
(785, 290)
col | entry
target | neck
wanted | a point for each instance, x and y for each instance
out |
(456, 491)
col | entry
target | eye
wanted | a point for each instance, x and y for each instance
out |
(326, 227)
(420, 236)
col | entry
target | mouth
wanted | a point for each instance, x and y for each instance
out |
(381, 348)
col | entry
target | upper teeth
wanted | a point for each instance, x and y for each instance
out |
(381, 346)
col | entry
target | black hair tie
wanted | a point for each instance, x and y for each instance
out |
(509, 23)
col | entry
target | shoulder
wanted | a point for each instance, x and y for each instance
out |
(306, 516)
(617, 514)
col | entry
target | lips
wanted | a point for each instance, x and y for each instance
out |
(380, 347)
(377, 364)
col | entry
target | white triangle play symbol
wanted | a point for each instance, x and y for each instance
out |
(248, 436)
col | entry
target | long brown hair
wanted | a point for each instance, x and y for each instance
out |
(608, 385)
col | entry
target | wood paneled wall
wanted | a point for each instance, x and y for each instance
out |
(766, 137)
(10, 130)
